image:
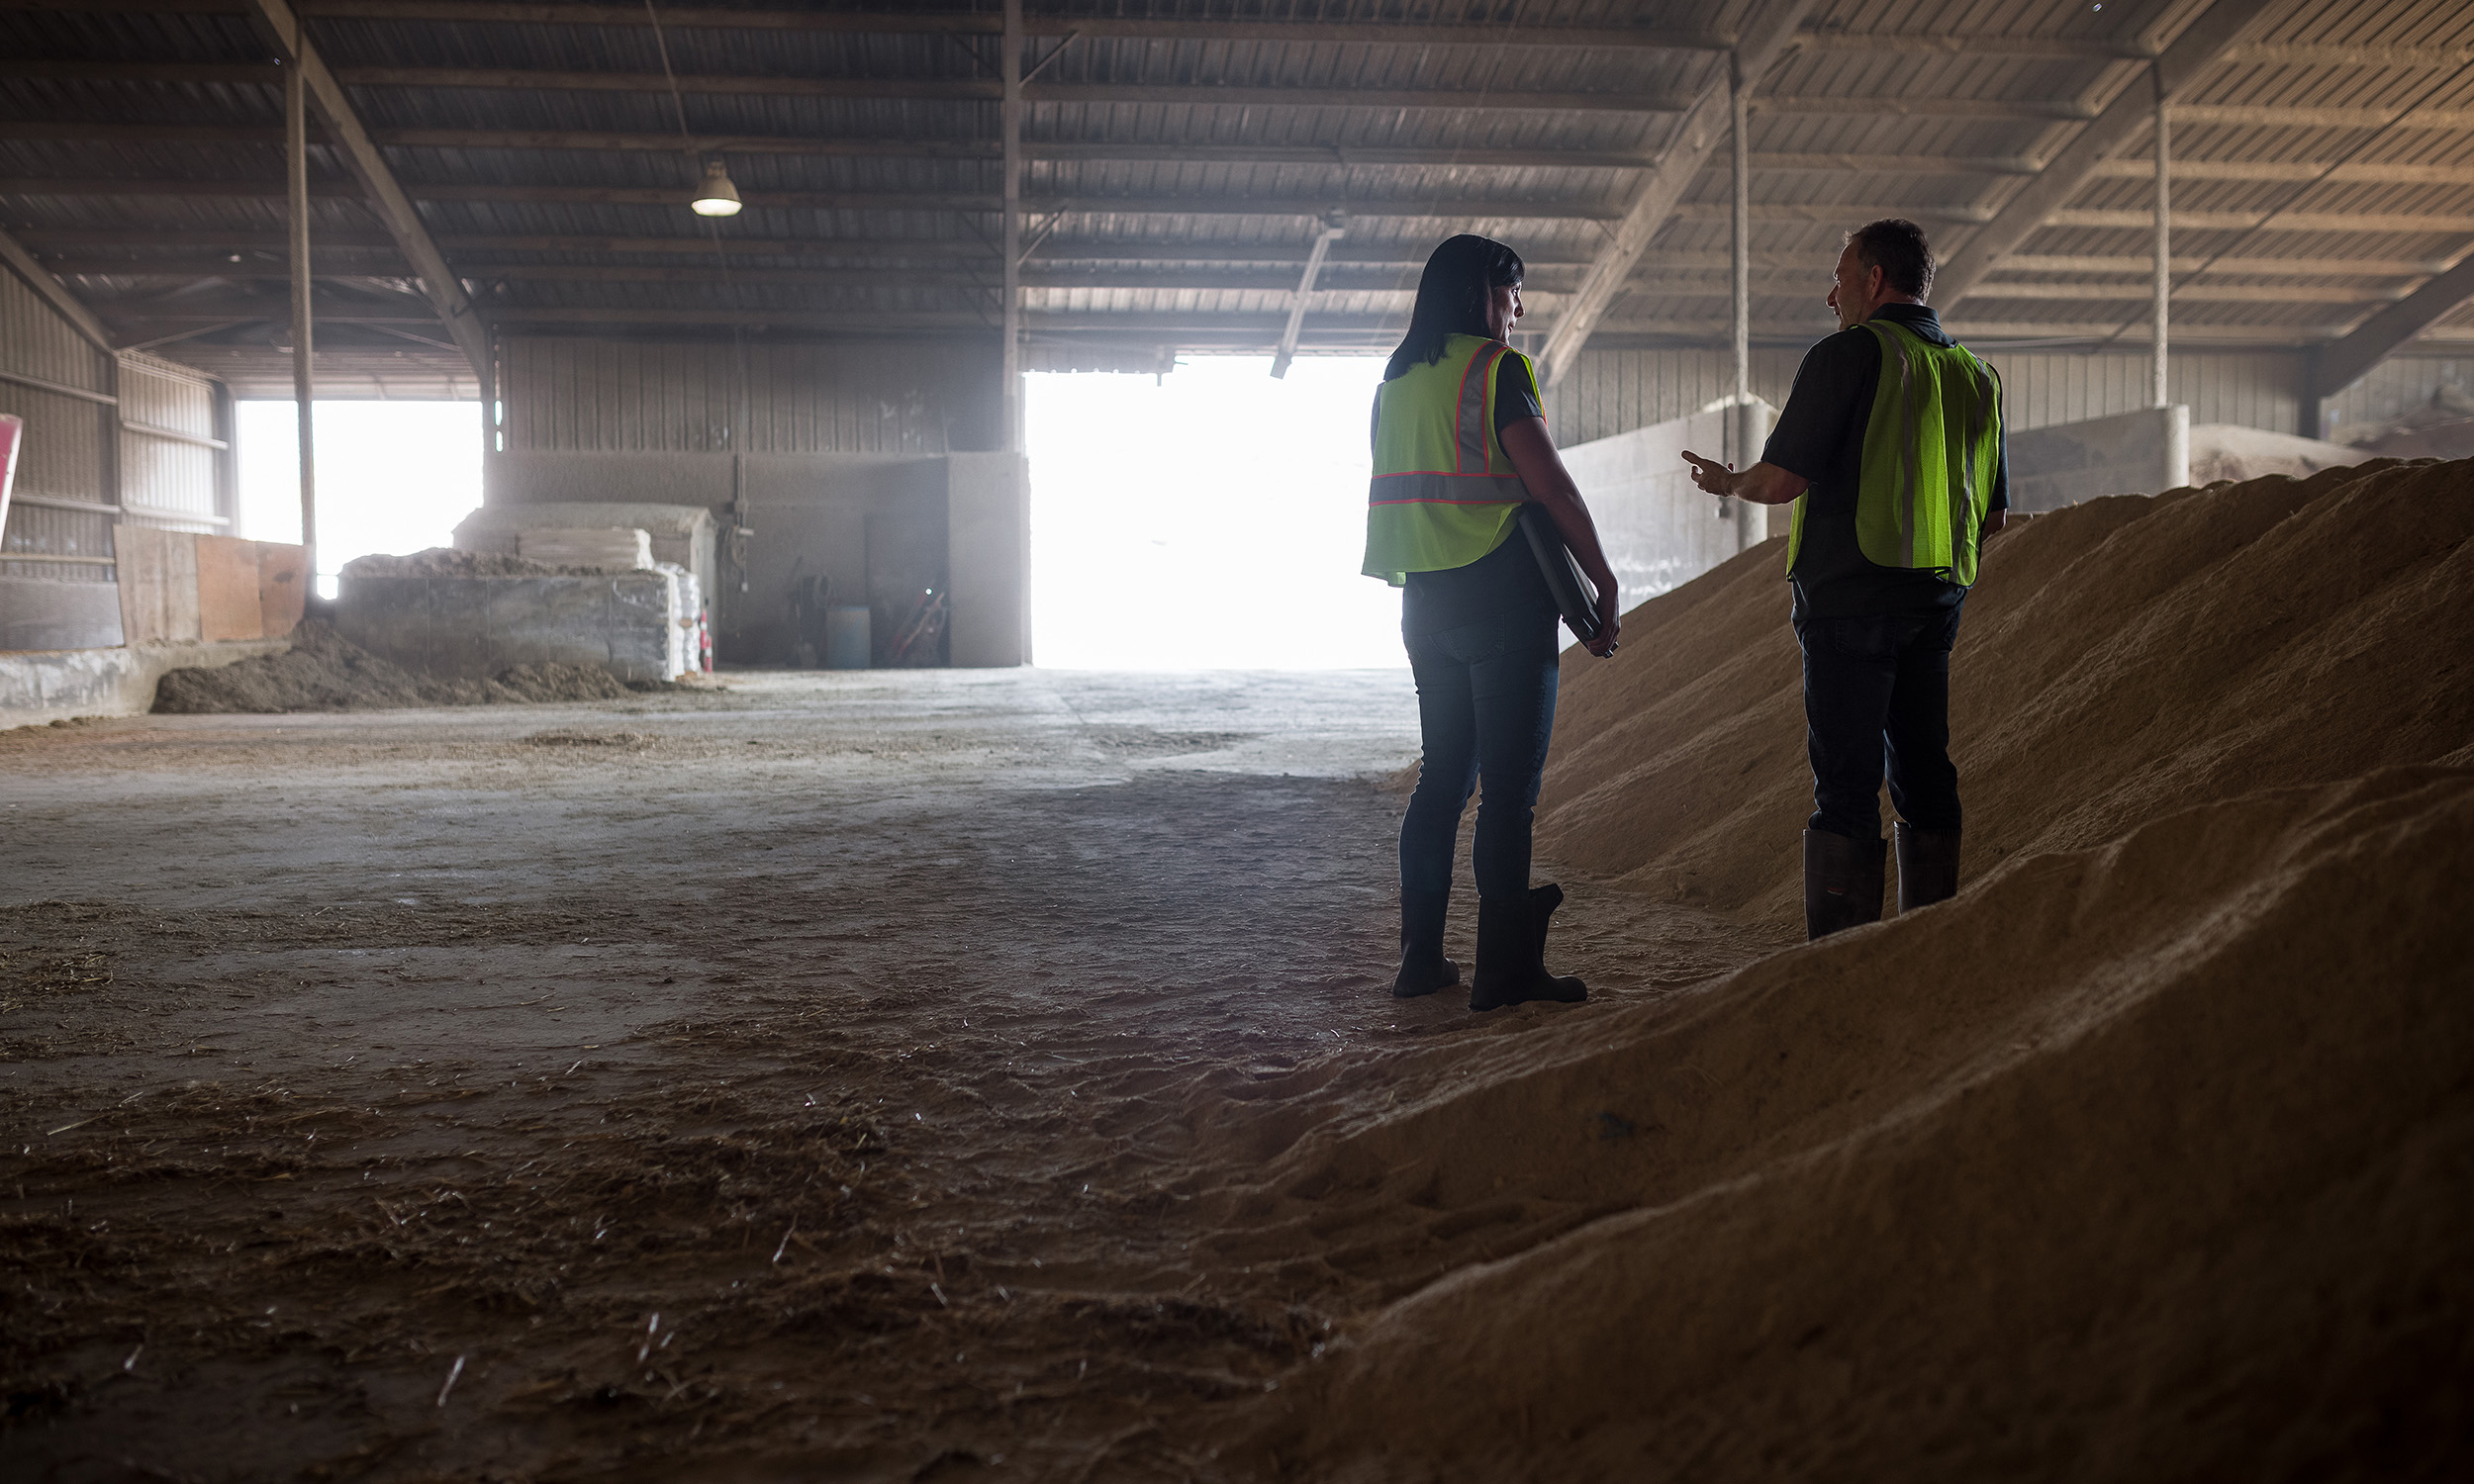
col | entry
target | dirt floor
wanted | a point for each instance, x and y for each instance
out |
(832, 1077)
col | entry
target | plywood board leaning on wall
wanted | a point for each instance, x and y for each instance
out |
(227, 606)
(282, 587)
(177, 587)
(158, 580)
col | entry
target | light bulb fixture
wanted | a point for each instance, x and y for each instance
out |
(716, 197)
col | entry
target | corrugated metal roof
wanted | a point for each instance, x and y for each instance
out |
(1173, 179)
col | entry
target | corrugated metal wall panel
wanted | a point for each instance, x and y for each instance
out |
(2393, 387)
(62, 456)
(35, 341)
(165, 482)
(611, 396)
(2254, 389)
(1609, 392)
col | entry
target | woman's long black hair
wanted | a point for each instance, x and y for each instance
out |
(1452, 297)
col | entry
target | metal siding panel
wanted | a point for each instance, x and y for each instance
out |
(2396, 386)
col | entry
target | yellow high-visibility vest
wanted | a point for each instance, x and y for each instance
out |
(1444, 492)
(1931, 451)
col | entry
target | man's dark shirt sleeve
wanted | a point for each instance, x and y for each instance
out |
(1818, 423)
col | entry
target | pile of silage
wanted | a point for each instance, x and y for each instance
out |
(2149, 1156)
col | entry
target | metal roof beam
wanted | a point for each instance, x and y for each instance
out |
(2341, 365)
(1912, 44)
(916, 22)
(2202, 45)
(1865, 106)
(55, 294)
(1767, 30)
(2351, 172)
(881, 201)
(2451, 224)
(1074, 151)
(394, 210)
(950, 90)
(2279, 116)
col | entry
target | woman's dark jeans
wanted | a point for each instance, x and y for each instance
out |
(1876, 699)
(1485, 707)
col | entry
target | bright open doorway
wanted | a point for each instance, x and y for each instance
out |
(392, 476)
(1211, 519)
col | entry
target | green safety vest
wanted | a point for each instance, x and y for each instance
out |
(1444, 492)
(1935, 432)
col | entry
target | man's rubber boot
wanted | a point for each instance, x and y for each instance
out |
(1842, 882)
(1928, 866)
(1423, 967)
(1510, 967)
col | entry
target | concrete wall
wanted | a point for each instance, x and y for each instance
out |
(44, 613)
(473, 627)
(37, 688)
(877, 528)
(1659, 530)
(2139, 453)
(987, 511)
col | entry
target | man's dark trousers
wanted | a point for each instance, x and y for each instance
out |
(1876, 699)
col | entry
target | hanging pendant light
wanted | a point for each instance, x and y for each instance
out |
(716, 197)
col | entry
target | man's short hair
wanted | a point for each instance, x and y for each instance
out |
(1897, 247)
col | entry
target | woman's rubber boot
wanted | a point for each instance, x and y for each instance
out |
(1510, 964)
(1423, 967)
(1842, 882)
(1928, 866)
(1543, 901)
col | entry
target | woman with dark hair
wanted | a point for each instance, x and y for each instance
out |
(1459, 445)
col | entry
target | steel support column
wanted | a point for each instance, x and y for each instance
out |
(295, 179)
(2163, 247)
(1741, 275)
(1009, 124)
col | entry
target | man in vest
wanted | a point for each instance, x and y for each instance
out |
(1891, 447)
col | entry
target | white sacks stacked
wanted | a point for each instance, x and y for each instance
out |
(618, 548)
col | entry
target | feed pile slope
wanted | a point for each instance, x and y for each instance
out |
(2151, 1160)
(2152, 1152)
(324, 672)
(2119, 659)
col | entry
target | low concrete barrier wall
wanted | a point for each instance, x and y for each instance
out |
(2130, 453)
(1660, 531)
(39, 687)
(473, 627)
(50, 613)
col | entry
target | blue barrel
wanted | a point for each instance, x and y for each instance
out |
(846, 637)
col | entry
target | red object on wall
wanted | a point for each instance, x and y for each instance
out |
(11, 432)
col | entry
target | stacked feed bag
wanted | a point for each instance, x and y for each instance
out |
(687, 534)
(610, 548)
(686, 625)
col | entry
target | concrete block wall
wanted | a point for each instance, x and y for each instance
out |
(1658, 529)
(988, 513)
(2139, 453)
